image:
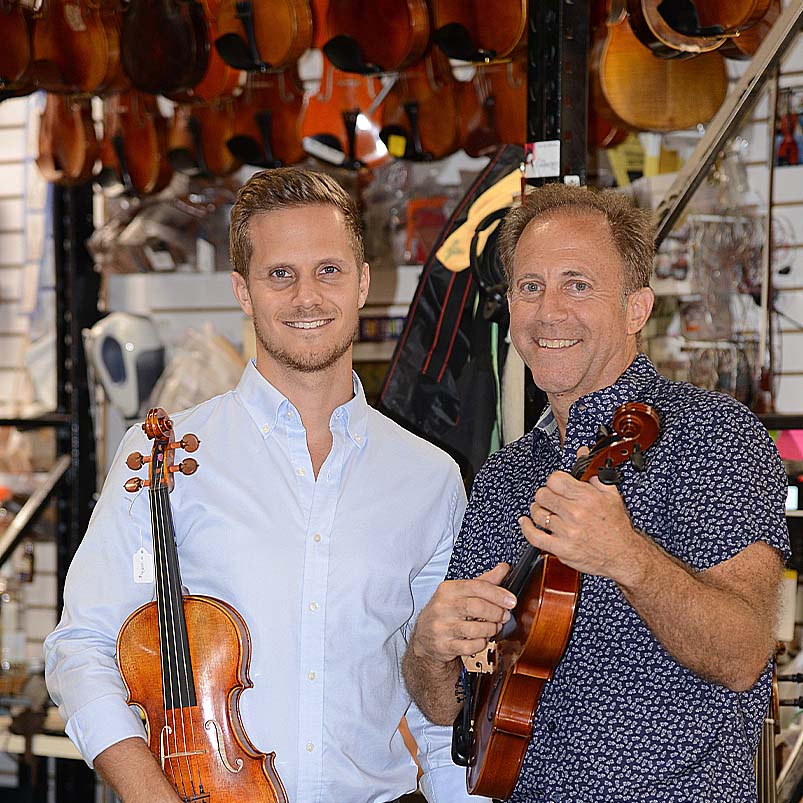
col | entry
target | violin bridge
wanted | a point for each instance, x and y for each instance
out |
(482, 661)
(211, 723)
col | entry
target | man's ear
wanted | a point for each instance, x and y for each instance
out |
(639, 307)
(240, 288)
(365, 283)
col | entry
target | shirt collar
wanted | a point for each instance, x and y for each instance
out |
(599, 406)
(266, 404)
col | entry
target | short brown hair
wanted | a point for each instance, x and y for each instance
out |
(631, 229)
(288, 188)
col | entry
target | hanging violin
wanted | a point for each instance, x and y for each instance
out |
(505, 680)
(15, 34)
(184, 659)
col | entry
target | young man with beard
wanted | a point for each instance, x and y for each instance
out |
(661, 692)
(323, 523)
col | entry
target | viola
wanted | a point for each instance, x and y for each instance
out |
(370, 36)
(340, 124)
(15, 34)
(640, 92)
(68, 146)
(177, 54)
(493, 107)
(184, 659)
(76, 47)
(419, 115)
(267, 120)
(505, 681)
(470, 30)
(134, 146)
(259, 36)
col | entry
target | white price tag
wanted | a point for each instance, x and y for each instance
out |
(143, 566)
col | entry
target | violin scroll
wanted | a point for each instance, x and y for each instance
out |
(158, 427)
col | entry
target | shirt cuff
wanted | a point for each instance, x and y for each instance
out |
(102, 723)
(448, 785)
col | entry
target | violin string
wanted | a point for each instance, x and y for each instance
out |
(187, 670)
(169, 601)
(165, 614)
(180, 641)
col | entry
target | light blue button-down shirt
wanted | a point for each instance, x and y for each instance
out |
(329, 575)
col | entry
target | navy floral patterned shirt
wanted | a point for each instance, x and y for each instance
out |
(621, 720)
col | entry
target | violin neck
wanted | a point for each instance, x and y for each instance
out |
(177, 677)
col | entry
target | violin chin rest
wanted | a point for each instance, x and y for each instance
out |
(234, 50)
(454, 40)
(346, 54)
(247, 150)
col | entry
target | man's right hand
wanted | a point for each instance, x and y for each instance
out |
(461, 616)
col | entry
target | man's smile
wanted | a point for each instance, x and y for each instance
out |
(546, 343)
(308, 324)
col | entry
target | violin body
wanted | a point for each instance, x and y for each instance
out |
(493, 107)
(471, 30)
(330, 119)
(745, 45)
(198, 136)
(389, 34)
(76, 47)
(267, 120)
(68, 146)
(255, 35)
(421, 111)
(506, 679)
(220, 649)
(654, 32)
(134, 146)
(544, 616)
(15, 34)
(638, 91)
(177, 53)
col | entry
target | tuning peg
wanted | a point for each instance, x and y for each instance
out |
(134, 484)
(136, 460)
(189, 443)
(187, 466)
(609, 474)
(637, 458)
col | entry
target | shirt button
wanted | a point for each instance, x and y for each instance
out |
(551, 726)
(289, 413)
(311, 675)
(265, 428)
(357, 437)
(310, 747)
(313, 606)
(582, 408)
(301, 472)
(317, 538)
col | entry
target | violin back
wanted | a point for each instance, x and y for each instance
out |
(651, 94)
(471, 30)
(177, 53)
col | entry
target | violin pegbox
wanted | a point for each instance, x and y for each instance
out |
(159, 428)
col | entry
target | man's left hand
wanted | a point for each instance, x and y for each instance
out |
(589, 527)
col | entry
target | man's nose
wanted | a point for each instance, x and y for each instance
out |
(308, 292)
(554, 306)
